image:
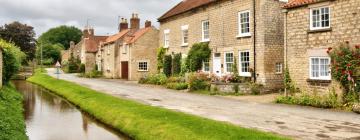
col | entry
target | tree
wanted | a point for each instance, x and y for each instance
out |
(62, 35)
(51, 53)
(198, 53)
(22, 36)
(167, 65)
(12, 59)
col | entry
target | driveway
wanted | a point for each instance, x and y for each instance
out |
(298, 122)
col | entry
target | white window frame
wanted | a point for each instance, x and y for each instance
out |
(321, 26)
(225, 63)
(166, 38)
(278, 68)
(240, 33)
(241, 72)
(320, 77)
(108, 49)
(203, 39)
(183, 29)
(125, 48)
(203, 66)
(147, 66)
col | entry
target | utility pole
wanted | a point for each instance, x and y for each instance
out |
(41, 58)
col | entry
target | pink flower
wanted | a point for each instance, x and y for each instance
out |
(357, 46)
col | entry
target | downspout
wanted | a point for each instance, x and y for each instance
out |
(254, 41)
(285, 11)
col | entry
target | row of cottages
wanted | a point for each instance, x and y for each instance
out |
(86, 49)
(311, 27)
(131, 53)
(250, 31)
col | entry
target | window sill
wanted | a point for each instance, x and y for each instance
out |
(166, 47)
(278, 73)
(204, 41)
(245, 74)
(143, 71)
(185, 45)
(244, 35)
(318, 81)
(319, 30)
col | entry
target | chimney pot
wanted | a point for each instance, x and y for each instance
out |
(135, 22)
(123, 25)
(147, 23)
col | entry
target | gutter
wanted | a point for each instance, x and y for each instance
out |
(254, 41)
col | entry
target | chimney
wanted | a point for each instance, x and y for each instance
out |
(88, 32)
(135, 22)
(123, 24)
(72, 44)
(147, 23)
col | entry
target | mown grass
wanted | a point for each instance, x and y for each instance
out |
(12, 123)
(147, 122)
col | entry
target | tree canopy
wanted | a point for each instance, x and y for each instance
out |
(21, 35)
(62, 35)
(51, 53)
(12, 59)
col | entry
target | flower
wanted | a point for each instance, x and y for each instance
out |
(348, 65)
(357, 46)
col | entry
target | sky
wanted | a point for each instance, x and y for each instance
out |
(101, 14)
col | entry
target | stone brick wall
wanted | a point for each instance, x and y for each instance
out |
(108, 56)
(345, 26)
(90, 61)
(144, 49)
(223, 18)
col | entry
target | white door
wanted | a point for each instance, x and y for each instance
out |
(217, 64)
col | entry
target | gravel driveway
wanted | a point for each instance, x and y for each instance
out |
(294, 121)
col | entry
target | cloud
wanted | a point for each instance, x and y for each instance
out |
(102, 14)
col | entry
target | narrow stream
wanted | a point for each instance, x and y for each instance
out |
(49, 117)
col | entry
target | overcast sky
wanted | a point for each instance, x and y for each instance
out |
(103, 14)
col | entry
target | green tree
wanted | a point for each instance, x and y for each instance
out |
(168, 65)
(51, 53)
(12, 59)
(62, 35)
(21, 35)
(197, 54)
(176, 64)
(160, 58)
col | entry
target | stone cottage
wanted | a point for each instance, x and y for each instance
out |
(311, 27)
(131, 53)
(250, 31)
(87, 48)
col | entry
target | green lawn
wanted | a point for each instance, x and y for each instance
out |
(141, 121)
(12, 123)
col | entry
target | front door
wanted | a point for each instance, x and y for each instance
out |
(217, 64)
(124, 70)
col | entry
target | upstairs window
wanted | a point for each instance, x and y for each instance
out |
(245, 63)
(125, 48)
(319, 18)
(205, 31)
(185, 35)
(320, 68)
(229, 62)
(166, 38)
(244, 23)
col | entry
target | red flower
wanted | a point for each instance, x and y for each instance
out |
(329, 48)
(357, 46)
(348, 65)
(350, 72)
(343, 72)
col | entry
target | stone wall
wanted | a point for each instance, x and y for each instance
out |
(301, 43)
(108, 56)
(223, 18)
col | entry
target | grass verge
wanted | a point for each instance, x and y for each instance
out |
(12, 123)
(146, 122)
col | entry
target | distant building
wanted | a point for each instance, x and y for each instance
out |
(131, 53)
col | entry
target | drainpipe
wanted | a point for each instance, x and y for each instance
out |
(285, 11)
(254, 37)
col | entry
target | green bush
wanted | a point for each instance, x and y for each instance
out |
(175, 80)
(12, 60)
(176, 70)
(92, 74)
(73, 65)
(167, 65)
(160, 58)
(157, 79)
(255, 88)
(82, 68)
(198, 53)
(177, 86)
(48, 61)
(199, 81)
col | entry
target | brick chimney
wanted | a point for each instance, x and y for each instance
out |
(147, 23)
(123, 24)
(87, 32)
(135, 22)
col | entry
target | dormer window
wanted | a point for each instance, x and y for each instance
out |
(320, 18)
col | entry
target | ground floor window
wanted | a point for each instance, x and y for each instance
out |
(229, 61)
(244, 63)
(206, 66)
(143, 66)
(279, 68)
(320, 68)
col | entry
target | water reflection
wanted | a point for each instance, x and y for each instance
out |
(49, 117)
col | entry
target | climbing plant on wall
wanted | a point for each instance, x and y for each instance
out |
(196, 56)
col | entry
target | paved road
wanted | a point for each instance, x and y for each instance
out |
(297, 122)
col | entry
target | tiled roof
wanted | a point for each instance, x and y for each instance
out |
(136, 35)
(115, 37)
(184, 6)
(297, 3)
(91, 44)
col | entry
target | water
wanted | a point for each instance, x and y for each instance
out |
(49, 117)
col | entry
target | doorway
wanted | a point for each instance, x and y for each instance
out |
(124, 70)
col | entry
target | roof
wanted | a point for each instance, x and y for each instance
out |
(117, 36)
(136, 35)
(298, 3)
(92, 43)
(184, 6)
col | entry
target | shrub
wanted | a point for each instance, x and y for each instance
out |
(176, 64)
(199, 81)
(236, 88)
(12, 60)
(160, 58)
(82, 68)
(175, 80)
(196, 56)
(93, 74)
(157, 79)
(177, 86)
(167, 65)
(289, 85)
(73, 65)
(255, 88)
